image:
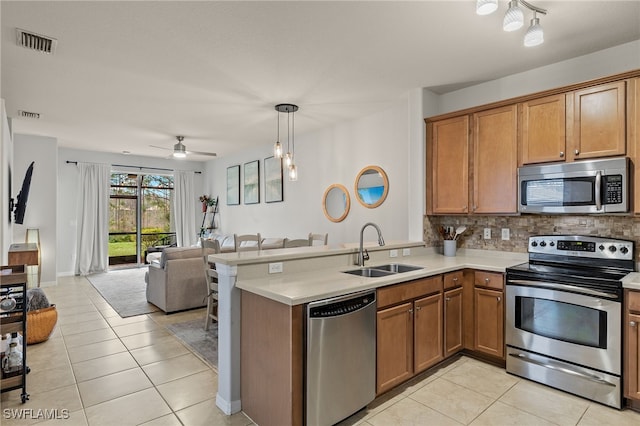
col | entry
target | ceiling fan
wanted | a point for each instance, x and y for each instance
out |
(180, 150)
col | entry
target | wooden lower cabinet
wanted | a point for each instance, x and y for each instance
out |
(427, 332)
(632, 345)
(489, 322)
(394, 346)
(453, 336)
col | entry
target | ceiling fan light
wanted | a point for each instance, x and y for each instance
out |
(179, 150)
(486, 7)
(534, 35)
(514, 18)
(179, 155)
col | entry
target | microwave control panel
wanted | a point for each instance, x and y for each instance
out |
(612, 189)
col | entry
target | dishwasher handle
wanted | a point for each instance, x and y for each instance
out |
(341, 306)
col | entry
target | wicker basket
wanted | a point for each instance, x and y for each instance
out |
(40, 323)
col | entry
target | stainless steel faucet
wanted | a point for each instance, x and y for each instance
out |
(363, 254)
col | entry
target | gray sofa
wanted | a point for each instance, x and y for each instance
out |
(176, 282)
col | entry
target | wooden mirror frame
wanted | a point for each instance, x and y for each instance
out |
(385, 180)
(347, 199)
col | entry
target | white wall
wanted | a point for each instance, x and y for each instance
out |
(332, 155)
(615, 60)
(68, 189)
(6, 157)
(41, 203)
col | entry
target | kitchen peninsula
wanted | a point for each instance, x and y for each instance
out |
(261, 314)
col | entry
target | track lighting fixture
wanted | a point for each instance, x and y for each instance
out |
(514, 18)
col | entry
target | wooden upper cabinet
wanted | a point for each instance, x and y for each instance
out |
(543, 129)
(597, 122)
(495, 161)
(448, 166)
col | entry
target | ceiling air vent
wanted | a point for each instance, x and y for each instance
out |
(35, 41)
(27, 114)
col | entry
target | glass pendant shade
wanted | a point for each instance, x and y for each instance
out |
(534, 35)
(514, 18)
(277, 150)
(293, 172)
(486, 7)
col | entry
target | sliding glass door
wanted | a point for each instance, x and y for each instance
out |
(139, 216)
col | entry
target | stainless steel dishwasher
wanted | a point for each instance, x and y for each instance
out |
(340, 357)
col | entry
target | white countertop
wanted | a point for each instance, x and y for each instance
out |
(632, 281)
(304, 287)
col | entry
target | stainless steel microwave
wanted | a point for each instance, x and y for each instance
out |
(581, 187)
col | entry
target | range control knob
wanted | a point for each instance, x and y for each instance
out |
(543, 244)
(551, 244)
(534, 244)
(624, 250)
(613, 249)
(601, 247)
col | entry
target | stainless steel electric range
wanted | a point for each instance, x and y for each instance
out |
(564, 314)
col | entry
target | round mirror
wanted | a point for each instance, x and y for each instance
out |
(372, 186)
(336, 203)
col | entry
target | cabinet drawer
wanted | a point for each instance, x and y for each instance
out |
(489, 280)
(633, 301)
(407, 291)
(453, 279)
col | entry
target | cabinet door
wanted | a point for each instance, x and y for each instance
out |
(394, 346)
(427, 332)
(543, 130)
(632, 373)
(452, 321)
(599, 121)
(495, 138)
(448, 182)
(489, 322)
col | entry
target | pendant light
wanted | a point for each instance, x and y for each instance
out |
(277, 148)
(290, 109)
(485, 7)
(534, 35)
(514, 18)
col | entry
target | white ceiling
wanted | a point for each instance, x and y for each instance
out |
(127, 75)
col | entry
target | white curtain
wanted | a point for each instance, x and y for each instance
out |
(184, 213)
(93, 219)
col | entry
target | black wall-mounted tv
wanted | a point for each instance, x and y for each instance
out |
(23, 195)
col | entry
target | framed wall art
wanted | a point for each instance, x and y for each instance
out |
(272, 180)
(233, 185)
(252, 182)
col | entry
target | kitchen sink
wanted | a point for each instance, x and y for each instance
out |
(397, 268)
(369, 272)
(383, 270)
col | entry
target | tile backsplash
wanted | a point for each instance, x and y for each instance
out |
(524, 226)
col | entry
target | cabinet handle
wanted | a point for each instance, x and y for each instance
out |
(561, 154)
(632, 323)
(410, 311)
(475, 208)
(455, 279)
(486, 280)
(576, 152)
(418, 308)
(499, 298)
(464, 209)
(447, 298)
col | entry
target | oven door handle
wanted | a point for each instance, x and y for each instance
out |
(552, 366)
(563, 286)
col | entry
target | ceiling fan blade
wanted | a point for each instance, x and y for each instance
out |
(161, 147)
(211, 154)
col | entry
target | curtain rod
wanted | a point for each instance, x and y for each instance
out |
(137, 167)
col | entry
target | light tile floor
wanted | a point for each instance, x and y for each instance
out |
(101, 369)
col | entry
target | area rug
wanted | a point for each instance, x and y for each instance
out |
(203, 343)
(125, 290)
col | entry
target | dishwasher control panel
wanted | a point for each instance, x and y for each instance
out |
(341, 306)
